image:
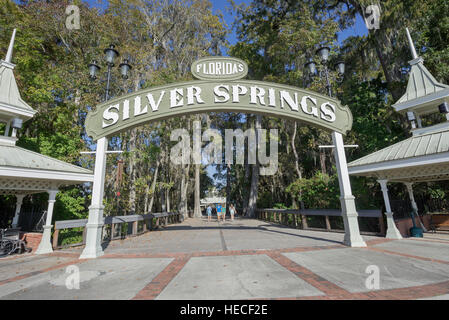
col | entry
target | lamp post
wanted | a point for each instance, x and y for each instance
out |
(349, 212)
(95, 223)
(110, 55)
(323, 73)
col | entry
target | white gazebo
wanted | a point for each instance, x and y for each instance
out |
(422, 157)
(23, 172)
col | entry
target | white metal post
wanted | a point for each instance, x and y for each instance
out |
(409, 186)
(349, 212)
(392, 230)
(19, 201)
(45, 244)
(95, 222)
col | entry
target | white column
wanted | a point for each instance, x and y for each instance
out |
(392, 231)
(45, 245)
(348, 209)
(95, 222)
(409, 186)
(8, 125)
(15, 220)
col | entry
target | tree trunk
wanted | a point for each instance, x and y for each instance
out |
(228, 187)
(298, 170)
(132, 171)
(153, 187)
(163, 203)
(252, 203)
(197, 209)
(323, 162)
(167, 198)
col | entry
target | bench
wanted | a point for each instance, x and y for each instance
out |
(439, 222)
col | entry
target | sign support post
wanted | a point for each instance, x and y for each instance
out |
(95, 223)
(349, 211)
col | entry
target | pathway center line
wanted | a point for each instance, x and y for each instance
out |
(223, 242)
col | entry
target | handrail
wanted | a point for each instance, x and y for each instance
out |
(297, 218)
(372, 213)
(162, 218)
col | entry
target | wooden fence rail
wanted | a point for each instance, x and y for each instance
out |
(150, 221)
(297, 218)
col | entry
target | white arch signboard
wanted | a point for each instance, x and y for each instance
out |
(220, 89)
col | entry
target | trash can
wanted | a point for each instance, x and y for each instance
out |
(416, 232)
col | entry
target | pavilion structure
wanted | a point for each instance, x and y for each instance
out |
(24, 172)
(212, 201)
(422, 157)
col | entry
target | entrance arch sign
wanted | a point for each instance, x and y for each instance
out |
(269, 99)
(220, 89)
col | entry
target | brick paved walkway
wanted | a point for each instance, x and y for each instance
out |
(243, 259)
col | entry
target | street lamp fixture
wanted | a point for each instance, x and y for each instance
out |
(323, 53)
(311, 67)
(17, 123)
(323, 72)
(411, 117)
(340, 67)
(93, 69)
(125, 67)
(110, 55)
(444, 109)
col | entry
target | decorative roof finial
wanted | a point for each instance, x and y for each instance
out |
(10, 48)
(412, 46)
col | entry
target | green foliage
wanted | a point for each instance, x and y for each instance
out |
(279, 206)
(319, 191)
(70, 204)
(70, 236)
(375, 124)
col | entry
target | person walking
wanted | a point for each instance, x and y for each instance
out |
(218, 212)
(223, 212)
(232, 211)
(209, 213)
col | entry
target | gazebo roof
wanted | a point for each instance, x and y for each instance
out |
(23, 171)
(16, 157)
(424, 93)
(423, 90)
(422, 157)
(212, 200)
(11, 103)
(9, 94)
(425, 155)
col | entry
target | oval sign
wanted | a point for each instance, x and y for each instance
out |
(215, 68)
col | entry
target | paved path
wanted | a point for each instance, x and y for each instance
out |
(243, 259)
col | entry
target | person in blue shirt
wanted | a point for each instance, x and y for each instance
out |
(218, 212)
(209, 213)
